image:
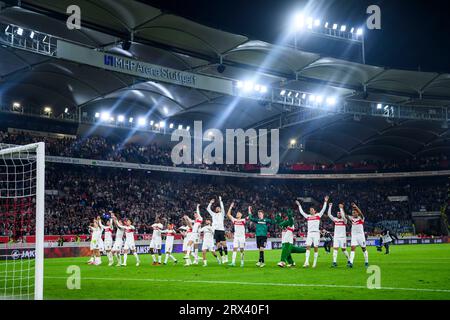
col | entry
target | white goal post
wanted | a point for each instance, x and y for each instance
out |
(22, 204)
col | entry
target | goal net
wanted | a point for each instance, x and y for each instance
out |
(22, 221)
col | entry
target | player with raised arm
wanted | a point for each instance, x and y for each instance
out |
(129, 230)
(185, 230)
(239, 235)
(193, 236)
(358, 238)
(340, 233)
(261, 233)
(108, 228)
(208, 242)
(218, 217)
(170, 235)
(118, 243)
(156, 242)
(313, 236)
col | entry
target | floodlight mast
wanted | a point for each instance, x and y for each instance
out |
(328, 31)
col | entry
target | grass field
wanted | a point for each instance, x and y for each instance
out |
(410, 272)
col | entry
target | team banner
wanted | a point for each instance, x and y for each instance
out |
(76, 53)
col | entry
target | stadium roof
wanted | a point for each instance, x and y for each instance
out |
(169, 40)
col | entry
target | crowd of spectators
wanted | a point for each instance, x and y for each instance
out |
(82, 193)
(100, 148)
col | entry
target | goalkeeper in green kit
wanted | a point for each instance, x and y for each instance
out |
(287, 240)
(261, 233)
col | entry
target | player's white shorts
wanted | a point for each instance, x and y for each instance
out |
(129, 245)
(358, 240)
(156, 243)
(340, 242)
(239, 242)
(313, 238)
(169, 244)
(101, 245)
(208, 245)
(185, 243)
(94, 244)
(118, 245)
(108, 244)
(193, 236)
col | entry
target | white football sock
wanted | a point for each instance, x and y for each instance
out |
(153, 258)
(335, 252)
(352, 256)
(125, 256)
(137, 257)
(316, 255)
(242, 257)
(172, 257)
(346, 254)
(233, 259)
(166, 258)
(307, 257)
(159, 258)
(366, 256)
(205, 262)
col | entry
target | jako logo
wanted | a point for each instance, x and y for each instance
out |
(213, 153)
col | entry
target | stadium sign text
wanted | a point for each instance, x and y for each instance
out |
(213, 153)
(147, 70)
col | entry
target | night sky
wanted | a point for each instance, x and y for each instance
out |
(415, 34)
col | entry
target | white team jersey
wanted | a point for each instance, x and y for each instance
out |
(197, 224)
(217, 218)
(119, 234)
(357, 226)
(129, 233)
(339, 228)
(169, 233)
(96, 233)
(313, 220)
(208, 233)
(239, 227)
(108, 233)
(157, 228)
(313, 223)
(287, 235)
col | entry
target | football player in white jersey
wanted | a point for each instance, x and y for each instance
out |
(194, 235)
(170, 236)
(218, 217)
(129, 230)
(340, 233)
(358, 237)
(208, 242)
(95, 230)
(118, 243)
(239, 235)
(108, 228)
(313, 236)
(156, 242)
(185, 230)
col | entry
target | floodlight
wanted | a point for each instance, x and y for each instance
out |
(180, 127)
(104, 116)
(142, 121)
(97, 115)
(20, 31)
(171, 126)
(121, 118)
(335, 26)
(331, 101)
(32, 34)
(359, 32)
(379, 106)
(283, 92)
(343, 28)
(162, 124)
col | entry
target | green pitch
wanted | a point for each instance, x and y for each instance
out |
(410, 272)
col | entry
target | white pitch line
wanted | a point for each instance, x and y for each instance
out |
(258, 284)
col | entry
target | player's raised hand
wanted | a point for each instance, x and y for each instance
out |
(220, 198)
(327, 198)
(330, 204)
(250, 209)
(297, 203)
(232, 205)
(212, 201)
(341, 205)
(353, 205)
